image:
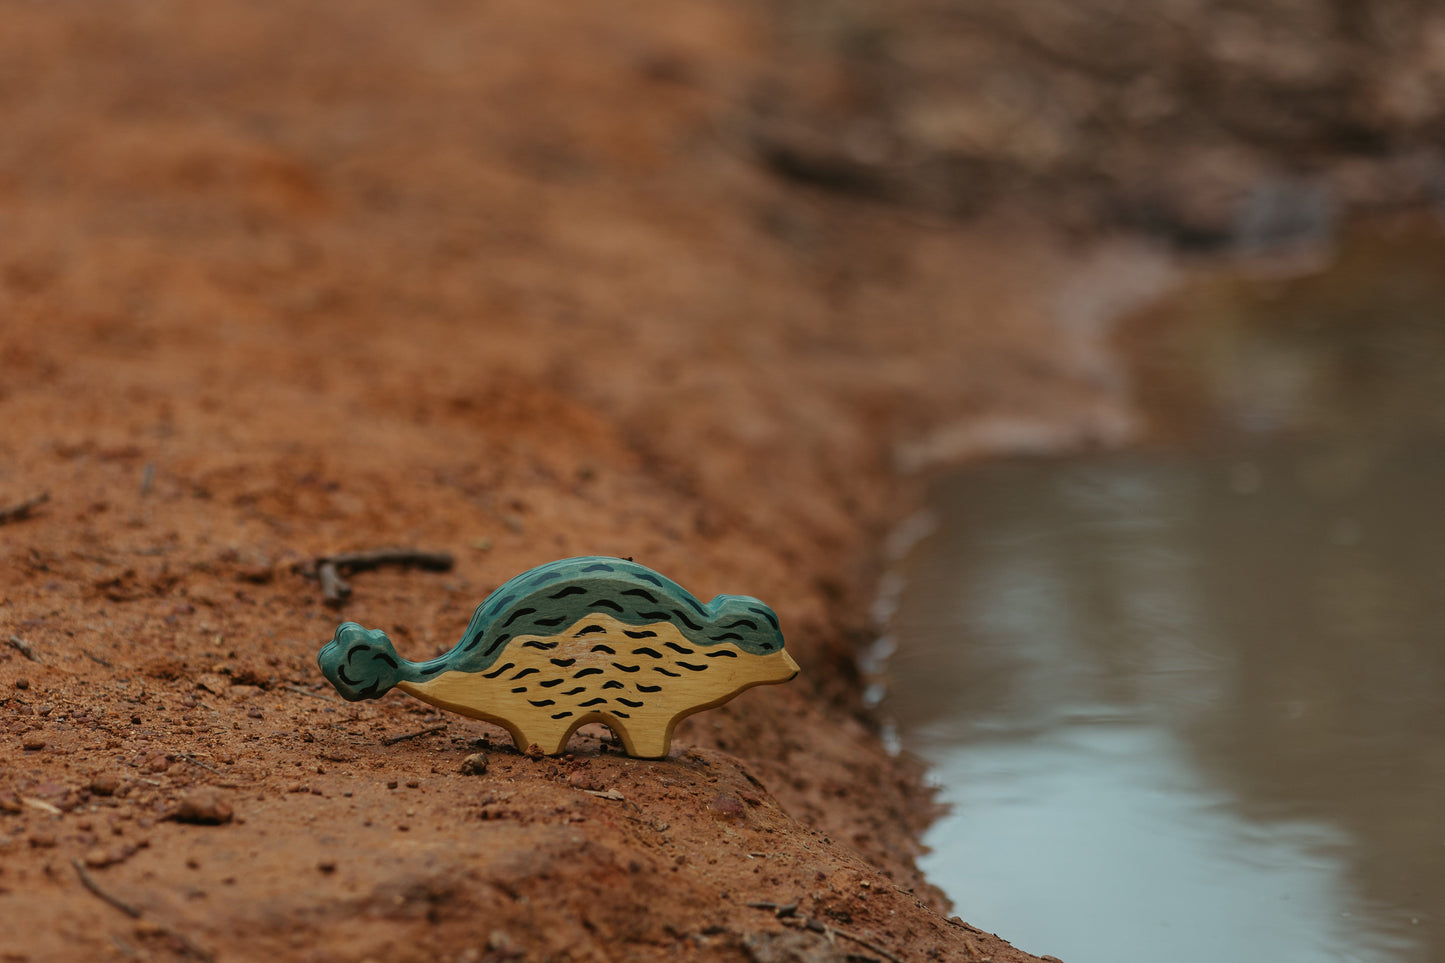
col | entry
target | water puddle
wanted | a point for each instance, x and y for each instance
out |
(1188, 702)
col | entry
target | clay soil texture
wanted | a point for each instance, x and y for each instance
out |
(504, 281)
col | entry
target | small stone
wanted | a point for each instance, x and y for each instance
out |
(475, 764)
(583, 779)
(32, 742)
(9, 803)
(104, 785)
(42, 840)
(728, 806)
(22, 683)
(204, 807)
(157, 762)
(101, 858)
(256, 714)
(327, 865)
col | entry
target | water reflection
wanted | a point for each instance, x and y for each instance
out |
(1191, 705)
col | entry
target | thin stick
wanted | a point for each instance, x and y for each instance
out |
(307, 692)
(865, 944)
(329, 568)
(333, 587)
(95, 658)
(361, 561)
(188, 757)
(24, 648)
(18, 511)
(85, 880)
(393, 740)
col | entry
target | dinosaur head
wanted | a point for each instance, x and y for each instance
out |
(745, 621)
(360, 662)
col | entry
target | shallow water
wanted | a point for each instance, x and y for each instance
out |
(1189, 703)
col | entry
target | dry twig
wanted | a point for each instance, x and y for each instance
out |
(20, 510)
(393, 740)
(788, 913)
(302, 690)
(188, 757)
(134, 912)
(333, 587)
(329, 568)
(24, 648)
(872, 947)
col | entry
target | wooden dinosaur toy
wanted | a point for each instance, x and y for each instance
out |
(590, 639)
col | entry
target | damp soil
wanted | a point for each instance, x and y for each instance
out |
(279, 283)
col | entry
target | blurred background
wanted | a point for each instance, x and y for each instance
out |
(1193, 690)
(1202, 121)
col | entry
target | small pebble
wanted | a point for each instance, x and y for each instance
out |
(327, 866)
(475, 764)
(22, 683)
(32, 742)
(728, 806)
(583, 779)
(104, 785)
(204, 807)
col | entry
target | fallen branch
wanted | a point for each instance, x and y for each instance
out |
(24, 648)
(361, 561)
(393, 740)
(333, 587)
(872, 947)
(788, 913)
(188, 757)
(329, 568)
(301, 690)
(134, 912)
(18, 511)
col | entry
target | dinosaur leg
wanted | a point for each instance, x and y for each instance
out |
(650, 742)
(551, 739)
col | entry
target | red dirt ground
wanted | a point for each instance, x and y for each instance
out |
(279, 281)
